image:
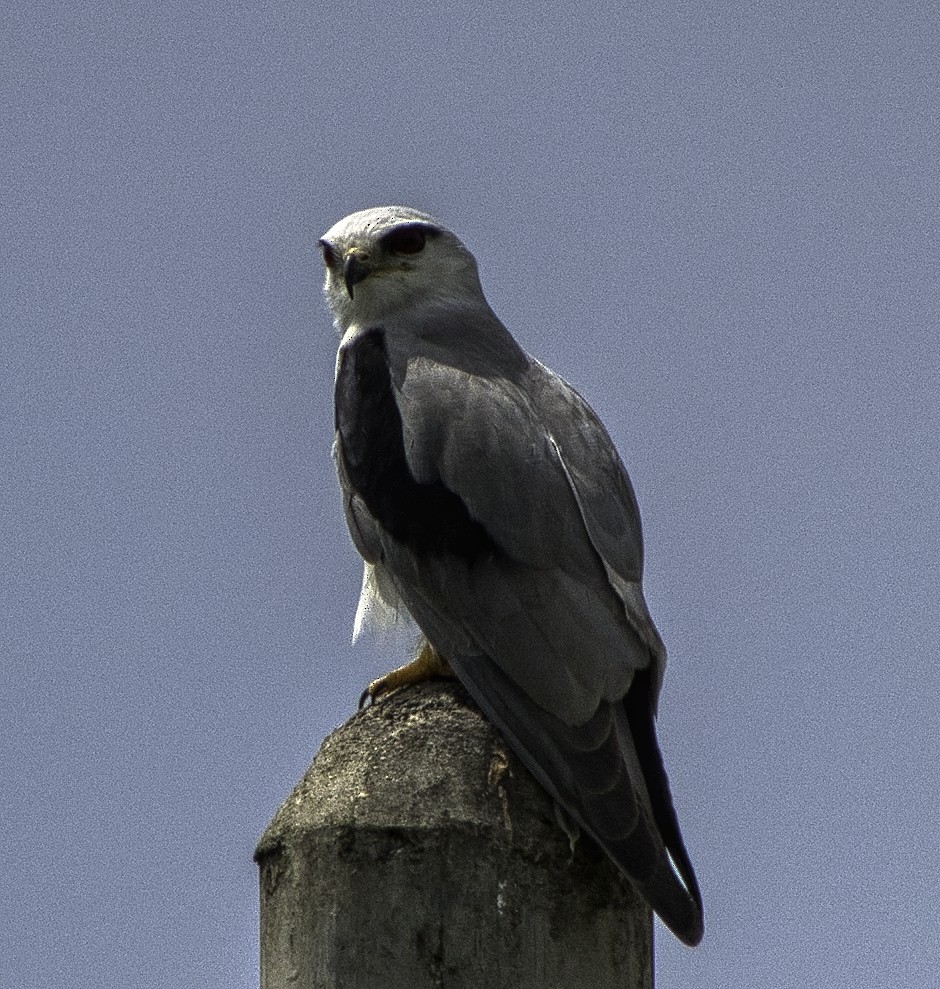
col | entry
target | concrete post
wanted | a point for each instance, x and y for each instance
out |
(417, 852)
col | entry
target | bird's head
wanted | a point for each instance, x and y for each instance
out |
(382, 260)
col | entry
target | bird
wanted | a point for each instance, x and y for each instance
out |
(490, 506)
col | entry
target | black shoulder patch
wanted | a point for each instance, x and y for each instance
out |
(429, 518)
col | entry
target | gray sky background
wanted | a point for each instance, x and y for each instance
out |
(719, 221)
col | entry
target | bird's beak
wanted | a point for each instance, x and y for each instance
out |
(356, 266)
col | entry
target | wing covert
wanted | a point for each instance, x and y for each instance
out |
(546, 600)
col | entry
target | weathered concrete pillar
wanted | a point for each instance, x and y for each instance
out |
(417, 852)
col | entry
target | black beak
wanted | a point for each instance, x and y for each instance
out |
(355, 267)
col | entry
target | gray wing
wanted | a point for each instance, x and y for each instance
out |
(605, 497)
(547, 626)
(533, 463)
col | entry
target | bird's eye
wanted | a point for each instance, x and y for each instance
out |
(329, 255)
(405, 240)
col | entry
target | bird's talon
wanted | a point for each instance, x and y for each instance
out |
(376, 689)
(428, 663)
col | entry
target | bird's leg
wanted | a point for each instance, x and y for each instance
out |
(428, 663)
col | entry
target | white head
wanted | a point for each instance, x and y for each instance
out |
(389, 258)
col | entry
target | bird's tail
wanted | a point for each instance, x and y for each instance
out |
(608, 774)
(682, 909)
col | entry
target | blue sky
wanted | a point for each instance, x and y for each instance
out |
(720, 223)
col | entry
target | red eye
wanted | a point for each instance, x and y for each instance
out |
(329, 256)
(405, 240)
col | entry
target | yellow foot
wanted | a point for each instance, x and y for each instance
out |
(428, 663)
